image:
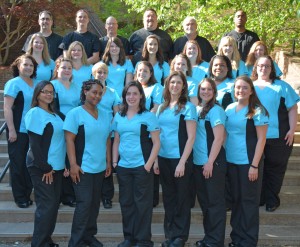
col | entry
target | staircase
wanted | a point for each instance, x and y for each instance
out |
(280, 228)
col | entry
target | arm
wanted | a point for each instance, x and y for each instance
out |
(194, 100)
(115, 150)
(8, 115)
(116, 108)
(154, 151)
(154, 108)
(108, 157)
(93, 59)
(261, 132)
(219, 137)
(289, 137)
(75, 170)
(65, 53)
(129, 78)
(191, 132)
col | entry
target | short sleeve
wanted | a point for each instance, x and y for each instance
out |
(129, 67)
(260, 118)
(243, 69)
(31, 122)
(190, 112)
(291, 97)
(152, 122)
(114, 124)
(192, 88)
(217, 116)
(157, 93)
(71, 121)
(117, 100)
(166, 69)
(11, 89)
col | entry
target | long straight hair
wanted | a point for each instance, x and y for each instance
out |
(106, 58)
(45, 53)
(37, 91)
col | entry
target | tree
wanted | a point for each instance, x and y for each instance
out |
(18, 17)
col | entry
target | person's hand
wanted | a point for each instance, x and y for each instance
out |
(179, 171)
(75, 173)
(156, 167)
(289, 137)
(66, 173)
(12, 137)
(48, 177)
(207, 170)
(108, 170)
(253, 174)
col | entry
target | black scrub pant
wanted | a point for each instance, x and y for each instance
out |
(20, 179)
(210, 193)
(47, 199)
(108, 189)
(277, 154)
(245, 205)
(136, 198)
(88, 194)
(67, 190)
(176, 198)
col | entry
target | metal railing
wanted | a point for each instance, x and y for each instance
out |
(3, 172)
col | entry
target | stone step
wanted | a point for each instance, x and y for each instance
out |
(269, 235)
(285, 215)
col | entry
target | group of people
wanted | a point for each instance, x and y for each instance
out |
(152, 111)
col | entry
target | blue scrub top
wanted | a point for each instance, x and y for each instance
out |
(130, 132)
(239, 135)
(225, 87)
(216, 116)
(36, 120)
(169, 123)
(44, 72)
(192, 86)
(93, 134)
(15, 86)
(242, 70)
(68, 98)
(81, 75)
(200, 71)
(153, 95)
(109, 99)
(117, 75)
(271, 96)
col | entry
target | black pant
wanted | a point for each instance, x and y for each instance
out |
(47, 199)
(277, 154)
(108, 189)
(88, 193)
(210, 193)
(245, 205)
(136, 198)
(176, 198)
(20, 179)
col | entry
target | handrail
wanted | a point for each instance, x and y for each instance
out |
(2, 174)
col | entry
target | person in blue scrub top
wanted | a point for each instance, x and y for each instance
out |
(120, 69)
(210, 164)
(137, 143)
(152, 53)
(67, 97)
(246, 126)
(199, 66)
(177, 119)
(228, 47)
(182, 63)
(280, 99)
(38, 48)
(110, 102)
(17, 99)
(220, 71)
(87, 133)
(82, 70)
(152, 89)
(257, 50)
(45, 161)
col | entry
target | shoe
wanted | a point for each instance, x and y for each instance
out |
(271, 208)
(96, 243)
(125, 243)
(200, 243)
(233, 244)
(165, 243)
(107, 203)
(71, 204)
(30, 202)
(177, 242)
(54, 245)
(22, 204)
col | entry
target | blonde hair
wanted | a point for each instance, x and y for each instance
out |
(99, 66)
(84, 56)
(235, 59)
(45, 53)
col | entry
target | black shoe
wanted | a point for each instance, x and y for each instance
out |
(54, 245)
(125, 243)
(200, 243)
(165, 243)
(107, 203)
(233, 244)
(271, 208)
(71, 204)
(22, 204)
(93, 242)
(177, 242)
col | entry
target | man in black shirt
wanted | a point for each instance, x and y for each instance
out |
(190, 30)
(244, 38)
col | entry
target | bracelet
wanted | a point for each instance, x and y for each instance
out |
(115, 162)
(255, 167)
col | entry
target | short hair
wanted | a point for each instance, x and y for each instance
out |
(84, 56)
(83, 10)
(87, 85)
(99, 66)
(152, 79)
(152, 10)
(15, 64)
(189, 18)
(188, 63)
(46, 12)
(37, 90)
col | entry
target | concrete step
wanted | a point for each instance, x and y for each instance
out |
(285, 215)
(269, 235)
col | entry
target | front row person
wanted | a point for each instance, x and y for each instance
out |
(87, 134)
(45, 161)
(210, 164)
(246, 125)
(177, 120)
(137, 142)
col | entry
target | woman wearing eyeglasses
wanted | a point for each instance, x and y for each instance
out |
(280, 99)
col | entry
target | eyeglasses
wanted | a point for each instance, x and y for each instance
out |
(264, 66)
(47, 92)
